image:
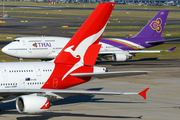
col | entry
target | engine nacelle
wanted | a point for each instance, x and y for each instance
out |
(31, 104)
(119, 57)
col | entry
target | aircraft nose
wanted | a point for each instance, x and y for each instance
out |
(4, 50)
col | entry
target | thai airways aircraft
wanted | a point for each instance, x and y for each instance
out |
(34, 84)
(119, 49)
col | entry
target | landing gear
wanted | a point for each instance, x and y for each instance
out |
(20, 59)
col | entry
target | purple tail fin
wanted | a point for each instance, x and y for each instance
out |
(154, 28)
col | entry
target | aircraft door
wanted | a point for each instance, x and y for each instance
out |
(22, 84)
(23, 41)
(29, 48)
(38, 71)
(3, 71)
(55, 83)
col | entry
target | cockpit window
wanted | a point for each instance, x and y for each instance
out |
(16, 40)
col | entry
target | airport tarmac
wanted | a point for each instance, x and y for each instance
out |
(162, 101)
(53, 27)
(162, 98)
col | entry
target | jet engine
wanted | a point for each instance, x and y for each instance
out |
(119, 57)
(31, 104)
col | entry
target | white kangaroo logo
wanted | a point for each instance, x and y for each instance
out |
(46, 104)
(81, 49)
(73, 53)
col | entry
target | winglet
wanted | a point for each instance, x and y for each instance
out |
(171, 49)
(143, 93)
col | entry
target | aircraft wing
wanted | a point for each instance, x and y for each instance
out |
(67, 92)
(108, 52)
(109, 74)
(136, 51)
(152, 51)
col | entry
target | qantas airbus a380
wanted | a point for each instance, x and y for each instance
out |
(120, 49)
(34, 84)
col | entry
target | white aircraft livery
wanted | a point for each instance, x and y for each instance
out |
(120, 49)
(33, 85)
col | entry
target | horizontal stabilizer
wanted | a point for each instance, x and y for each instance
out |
(152, 42)
(160, 41)
(109, 74)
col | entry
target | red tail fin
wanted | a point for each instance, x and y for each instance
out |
(143, 93)
(88, 34)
